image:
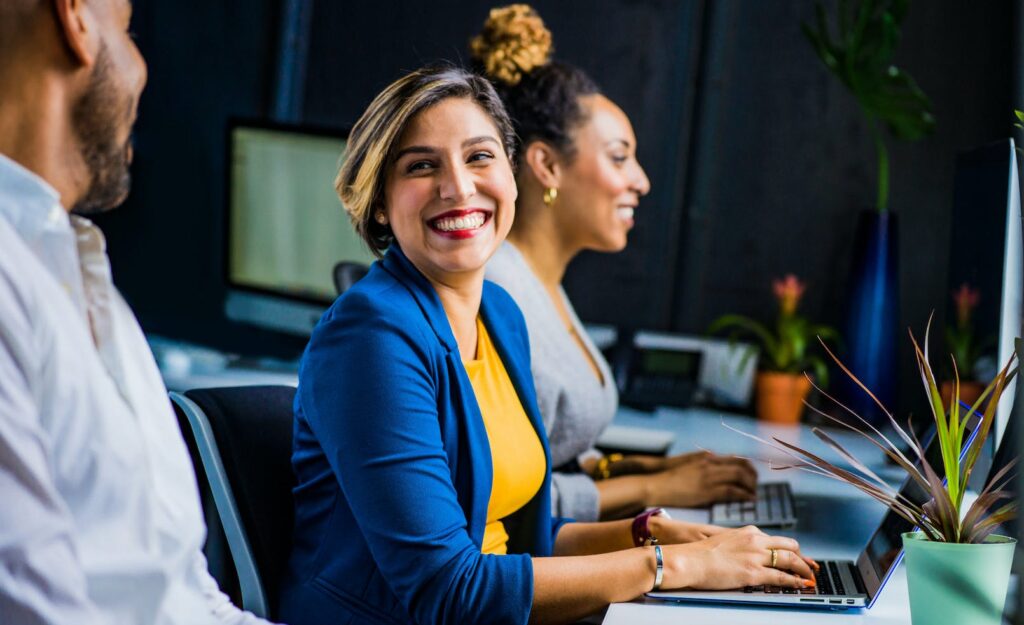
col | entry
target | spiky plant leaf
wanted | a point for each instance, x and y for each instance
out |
(940, 516)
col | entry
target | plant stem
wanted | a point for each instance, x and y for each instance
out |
(882, 202)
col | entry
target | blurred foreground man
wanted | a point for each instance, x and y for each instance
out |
(100, 519)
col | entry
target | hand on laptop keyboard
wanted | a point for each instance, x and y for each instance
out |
(702, 480)
(736, 559)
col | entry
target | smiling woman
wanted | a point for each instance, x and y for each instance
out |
(422, 467)
(450, 195)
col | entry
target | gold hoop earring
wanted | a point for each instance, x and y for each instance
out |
(550, 195)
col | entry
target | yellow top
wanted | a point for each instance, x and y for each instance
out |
(516, 453)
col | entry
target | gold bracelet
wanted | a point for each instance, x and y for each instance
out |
(604, 466)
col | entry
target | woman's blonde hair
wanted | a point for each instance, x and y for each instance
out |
(543, 96)
(513, 42)
(374, 138)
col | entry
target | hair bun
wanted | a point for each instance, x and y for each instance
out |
(512, 43)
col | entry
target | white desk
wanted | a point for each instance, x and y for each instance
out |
(835, 520)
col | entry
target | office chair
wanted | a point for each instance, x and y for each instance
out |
(348, 273)
(243, 436)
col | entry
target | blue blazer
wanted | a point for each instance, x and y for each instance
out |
(393, 465)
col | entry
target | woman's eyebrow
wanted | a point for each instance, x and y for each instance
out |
(480, 139)
(425, 149)
(415, 149)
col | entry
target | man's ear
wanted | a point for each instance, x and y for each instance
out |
(77, 26)
(545, 162)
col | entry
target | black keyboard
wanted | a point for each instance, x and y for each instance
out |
(828, 579)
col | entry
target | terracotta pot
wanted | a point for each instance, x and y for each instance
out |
(969, 392)
(780, 396)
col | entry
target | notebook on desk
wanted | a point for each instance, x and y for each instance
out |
(842, 584)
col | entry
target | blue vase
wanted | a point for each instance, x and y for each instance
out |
(873, 312)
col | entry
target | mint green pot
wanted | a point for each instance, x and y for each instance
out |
(956, 583)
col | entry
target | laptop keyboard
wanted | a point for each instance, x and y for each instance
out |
(773, 508)
(828, 578)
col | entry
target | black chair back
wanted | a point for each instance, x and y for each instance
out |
(347, 273)
(252, 428)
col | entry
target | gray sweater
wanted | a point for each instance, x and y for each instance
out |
(575, 405)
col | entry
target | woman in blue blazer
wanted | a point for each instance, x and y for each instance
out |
(392, 457)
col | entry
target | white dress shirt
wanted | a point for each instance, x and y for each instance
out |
(100, 520)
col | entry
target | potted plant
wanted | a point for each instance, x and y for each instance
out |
(860, 55)
(957, 569)
(964, 346)
(780, 386)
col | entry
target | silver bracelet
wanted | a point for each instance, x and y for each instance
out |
(660, 572)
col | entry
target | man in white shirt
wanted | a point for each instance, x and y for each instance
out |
(100, 519)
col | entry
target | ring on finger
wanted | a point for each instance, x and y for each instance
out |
(775, 558)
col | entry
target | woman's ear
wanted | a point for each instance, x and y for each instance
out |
(545, 163)
(78, 27)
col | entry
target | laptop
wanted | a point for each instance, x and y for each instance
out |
(774, 507)
(842, 584)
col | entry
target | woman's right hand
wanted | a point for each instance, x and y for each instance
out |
(701, 482)
(731, 560)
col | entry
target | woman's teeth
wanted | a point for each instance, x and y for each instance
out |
(453, 224)
(624, 212)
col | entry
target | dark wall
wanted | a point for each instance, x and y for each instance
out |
(758, 158)
(783, 161)
(644, 56)
(207, 61)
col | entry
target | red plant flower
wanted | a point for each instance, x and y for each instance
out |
(966, 300)
(788, 291)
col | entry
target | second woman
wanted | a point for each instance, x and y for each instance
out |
(579, 187)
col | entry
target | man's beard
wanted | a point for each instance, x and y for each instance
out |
(96, 120)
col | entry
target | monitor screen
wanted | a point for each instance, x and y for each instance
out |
(286, 227)
(983, 299)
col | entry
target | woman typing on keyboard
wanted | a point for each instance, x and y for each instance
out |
(422, 466)
(579, 186)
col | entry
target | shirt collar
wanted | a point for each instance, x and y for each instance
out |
(30, 204)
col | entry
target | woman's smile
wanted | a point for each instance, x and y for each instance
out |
(460, 224)
(450, 193)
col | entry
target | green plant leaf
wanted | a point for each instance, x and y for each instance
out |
(990, 523)
(896, 454)
(990, 494)
(820, 370)
(746, 324)
(861, 58)
(996, 388)
(857, 464)
(940, 518)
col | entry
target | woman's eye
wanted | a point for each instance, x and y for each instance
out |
(619, 159)
(418, 166)
(480, 156)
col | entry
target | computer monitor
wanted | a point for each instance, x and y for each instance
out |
(286, 228)
(985, 255)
